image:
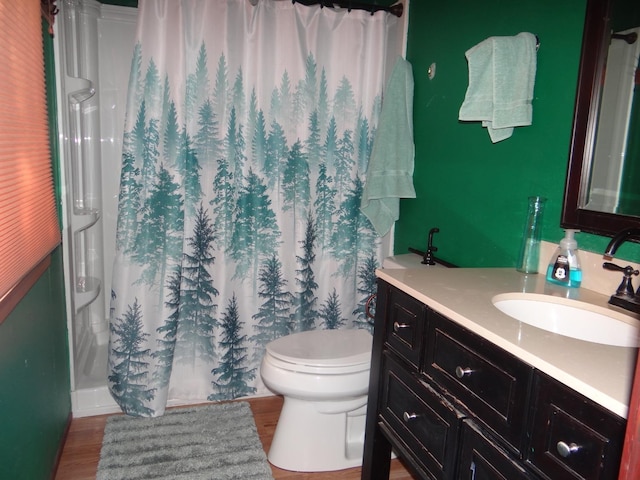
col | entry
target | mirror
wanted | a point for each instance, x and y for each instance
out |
(602, 191)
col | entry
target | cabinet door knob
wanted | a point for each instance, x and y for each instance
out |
(461, 372)
(565, 449)
(398, 326)
(409, 416)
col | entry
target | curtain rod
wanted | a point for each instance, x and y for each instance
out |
(396, 9)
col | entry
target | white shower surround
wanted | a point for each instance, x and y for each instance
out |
(93, 53)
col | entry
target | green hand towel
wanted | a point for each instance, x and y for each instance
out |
(502, 74)
(390, 170)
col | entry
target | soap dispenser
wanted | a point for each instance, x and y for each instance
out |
(564, 267)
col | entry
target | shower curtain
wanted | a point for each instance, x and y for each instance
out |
(247, 136)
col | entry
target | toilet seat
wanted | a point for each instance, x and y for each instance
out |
(322, 351)
(311, 369)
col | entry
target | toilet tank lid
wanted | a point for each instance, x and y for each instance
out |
(324, 347)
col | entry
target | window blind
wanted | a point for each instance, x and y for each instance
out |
(29, 228)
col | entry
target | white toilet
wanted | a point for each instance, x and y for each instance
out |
(324, 378)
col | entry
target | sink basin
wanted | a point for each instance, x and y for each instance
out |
(571, 318)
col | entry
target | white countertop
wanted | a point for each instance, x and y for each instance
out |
(600, 372)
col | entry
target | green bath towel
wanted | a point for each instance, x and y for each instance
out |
(390, 171)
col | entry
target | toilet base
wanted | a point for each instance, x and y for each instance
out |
(310, 437)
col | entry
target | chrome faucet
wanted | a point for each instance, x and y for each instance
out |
(624, 297)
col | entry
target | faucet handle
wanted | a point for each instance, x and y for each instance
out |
(625, 288)
(627, 271)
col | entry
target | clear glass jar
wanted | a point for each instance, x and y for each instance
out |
(529, 256)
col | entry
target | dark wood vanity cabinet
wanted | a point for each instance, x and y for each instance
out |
(455, 406)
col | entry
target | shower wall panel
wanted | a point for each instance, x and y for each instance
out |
(94, 48)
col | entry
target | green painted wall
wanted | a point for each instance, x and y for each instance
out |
(34, 380)
(475, 191)
(35, 401)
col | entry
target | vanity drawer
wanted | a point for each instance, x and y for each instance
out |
(486, 380)
(571, 436)
(405, 325)
(419, 421)
(482, 459)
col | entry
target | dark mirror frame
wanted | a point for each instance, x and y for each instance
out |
(595, 45)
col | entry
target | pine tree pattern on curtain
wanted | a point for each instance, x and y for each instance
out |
(241, 177)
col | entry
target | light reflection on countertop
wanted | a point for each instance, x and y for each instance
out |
(600, 372)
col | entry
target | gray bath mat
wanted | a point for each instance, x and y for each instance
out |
(213, 442)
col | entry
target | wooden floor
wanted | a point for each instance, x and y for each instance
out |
(81, 451)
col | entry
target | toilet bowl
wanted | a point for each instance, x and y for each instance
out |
(323, 376)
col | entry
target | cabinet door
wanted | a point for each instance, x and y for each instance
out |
(491, 383)
(405, 323)
(421, 424)
(571, 436)
(482, 459)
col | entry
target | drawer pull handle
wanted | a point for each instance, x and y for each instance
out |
(462, 372)
(409, 416)
(398, 326)
(566, 449)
